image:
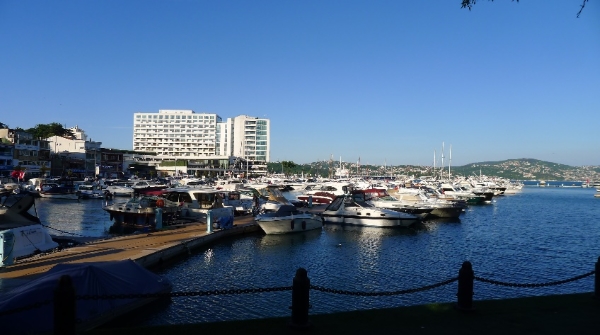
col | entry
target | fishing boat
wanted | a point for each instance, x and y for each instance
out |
(21, 233)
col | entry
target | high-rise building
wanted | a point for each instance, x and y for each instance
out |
(176, 133)
(185, 134)
(248, 138)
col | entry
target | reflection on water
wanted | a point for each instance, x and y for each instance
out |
(74, 218)
(272, 242)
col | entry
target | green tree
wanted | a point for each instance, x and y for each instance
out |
(49, 130)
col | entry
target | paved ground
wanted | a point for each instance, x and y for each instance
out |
(144, 248)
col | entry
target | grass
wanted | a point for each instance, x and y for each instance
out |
(556, 314)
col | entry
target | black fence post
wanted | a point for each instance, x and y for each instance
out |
(64, 307)
(597, 280)
(300, 299)
(464, 296)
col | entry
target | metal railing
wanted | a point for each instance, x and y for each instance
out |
(65, 296)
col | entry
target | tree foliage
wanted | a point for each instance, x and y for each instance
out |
(469, 4)
(49, 130)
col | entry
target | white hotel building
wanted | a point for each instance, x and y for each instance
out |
(202, 138)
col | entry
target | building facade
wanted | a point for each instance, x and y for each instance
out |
(176, 133)
(21, 150)
(249, 138)
(78, 156)
(203, 140)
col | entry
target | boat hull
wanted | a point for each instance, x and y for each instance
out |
(67, 196)
(296, 224)
(140, 214)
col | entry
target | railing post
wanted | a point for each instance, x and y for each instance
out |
(464, 296)
(64, 307)
(597, 280)
(300, 300)
(208, 222)
(158, 218)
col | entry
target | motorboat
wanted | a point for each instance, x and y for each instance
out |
(21, 232)
(195, 203)
(450, 192)
(119, 189)
(288, 219)
(379, 197)
(148, 187)
(351, 209)
(112, 289)
(442, 209)
(89, 191)
(326, 192)
(140, 214)
(61, 189)
(271, 198)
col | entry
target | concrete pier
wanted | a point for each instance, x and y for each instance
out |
(147, 249)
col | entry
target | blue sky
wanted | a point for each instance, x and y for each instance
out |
(386, 81)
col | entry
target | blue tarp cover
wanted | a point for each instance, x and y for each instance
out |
(94, 278)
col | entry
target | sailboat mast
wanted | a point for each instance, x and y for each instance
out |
(442, 166)
(434, 163)
(450, 161)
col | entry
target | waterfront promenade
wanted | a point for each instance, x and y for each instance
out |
(147, 249)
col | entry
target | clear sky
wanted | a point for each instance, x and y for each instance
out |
(386, 81)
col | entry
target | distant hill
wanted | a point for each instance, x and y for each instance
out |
(529, 169)
(516, 169)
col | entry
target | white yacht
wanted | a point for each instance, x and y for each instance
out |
(287, 219)
(353, 210)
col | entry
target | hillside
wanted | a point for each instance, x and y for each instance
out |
(529, 169)
(516, 169)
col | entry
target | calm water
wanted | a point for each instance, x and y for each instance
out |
(537, 236)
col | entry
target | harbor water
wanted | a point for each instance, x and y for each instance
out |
(540, 235)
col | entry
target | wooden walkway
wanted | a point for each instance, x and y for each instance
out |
(147, 249)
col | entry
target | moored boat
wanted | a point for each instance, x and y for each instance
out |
(195, 203)
(353, 210)
(380, 198)
(21, 232)
(325, 193)
(119, 189)
(61, 189)
(288, 219)
(89, 191)
(140, 214)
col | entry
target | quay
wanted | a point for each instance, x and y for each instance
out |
(147, 249)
